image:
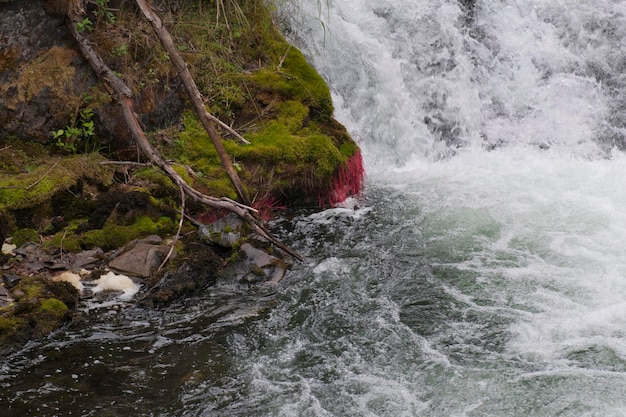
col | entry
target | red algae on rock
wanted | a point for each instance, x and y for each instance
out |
(347, 182)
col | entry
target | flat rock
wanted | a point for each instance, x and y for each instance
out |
(88, 259)
(140, 261)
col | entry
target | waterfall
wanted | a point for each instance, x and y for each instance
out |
(426, 79)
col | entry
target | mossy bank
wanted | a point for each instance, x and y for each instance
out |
(60, 128)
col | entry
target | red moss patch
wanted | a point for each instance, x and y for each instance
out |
(348, 182)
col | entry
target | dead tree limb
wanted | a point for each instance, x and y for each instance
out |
(124, 97)
(180, 227)
(194, 94)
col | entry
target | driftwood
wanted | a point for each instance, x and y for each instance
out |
(124, 97)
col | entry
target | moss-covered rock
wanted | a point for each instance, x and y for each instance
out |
(41, 306)
(36, 184)
(267, 90)
(251, 77)
(24, 236)
(121, 216)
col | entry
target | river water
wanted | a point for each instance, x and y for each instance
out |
(482, 274)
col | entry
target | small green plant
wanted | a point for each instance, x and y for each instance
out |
(103, 10)
(121, 50)
(76, 134)
(152, 76)
(86, 24)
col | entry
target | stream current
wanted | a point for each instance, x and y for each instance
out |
(482, 274)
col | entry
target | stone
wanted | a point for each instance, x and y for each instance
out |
(141, 261)
(5, 296)
(12, 280)
(87, 259)
(223, 232)
(263, 265)
(8, 249)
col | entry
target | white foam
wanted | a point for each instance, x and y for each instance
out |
(114, 282)
(70, 277)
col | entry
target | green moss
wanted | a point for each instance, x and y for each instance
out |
(54, 307)
(44, 306)
(265, 88)
(9, 325)
(30, 189)
(297, 80)
(156, 181)
(67, 241)
(51, 71)
(348, 148)
(51, 314)
(250, 77)
(114, 236)
(24, 236)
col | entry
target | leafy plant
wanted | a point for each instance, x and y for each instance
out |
(103, 10)
(85, 24)
(121, 50)
(78, 133)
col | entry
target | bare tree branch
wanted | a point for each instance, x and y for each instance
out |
(195, 96)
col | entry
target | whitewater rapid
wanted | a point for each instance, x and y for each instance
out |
(498, 130)
(483, 272)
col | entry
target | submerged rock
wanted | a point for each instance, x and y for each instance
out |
(261, 266)
(39, 306)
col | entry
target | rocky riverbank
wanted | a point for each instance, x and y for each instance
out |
(80, 209)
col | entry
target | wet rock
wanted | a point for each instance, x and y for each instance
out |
(223, 232)
(88, 259)
(140, 258)
(5, 296)
(199, 267)
(33, 259)
(12, 280)
(262, 266)
(17, 293)
(40, 307)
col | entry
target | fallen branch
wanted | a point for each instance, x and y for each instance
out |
(194, 94)
(127, 163)
(124, 97)
(180, 227)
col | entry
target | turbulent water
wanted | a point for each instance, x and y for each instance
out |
(483, 274)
